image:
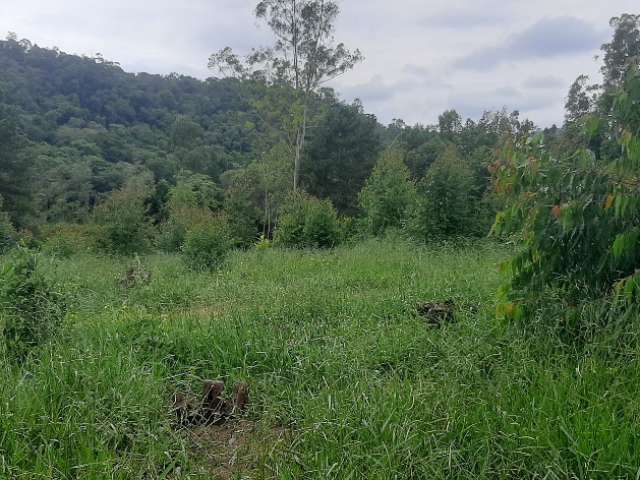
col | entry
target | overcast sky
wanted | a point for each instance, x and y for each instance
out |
(422, 56)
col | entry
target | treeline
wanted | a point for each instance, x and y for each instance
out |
(88, 147)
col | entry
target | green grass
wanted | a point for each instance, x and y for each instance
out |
(335, 358)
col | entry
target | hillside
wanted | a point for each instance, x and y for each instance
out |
(85, 127)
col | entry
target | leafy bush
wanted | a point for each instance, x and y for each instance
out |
(263, 244)
(308, 222)
(352, 230)
(446, 200)
(192, 202)
(388, 193)
(31, 308)
(206, 245)
(8, 233)
(244, 217)
(64, 240)
(579, 216)
(123, 217)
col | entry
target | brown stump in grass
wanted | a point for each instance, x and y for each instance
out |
(213, 405)
(213, 408)
(186, 413)
(240, 398)
(437, 313)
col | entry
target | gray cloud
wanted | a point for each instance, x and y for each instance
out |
(373, 91)
(415, 70)
(544, 82)
(549, 37)
(474, 103)
(454, 18)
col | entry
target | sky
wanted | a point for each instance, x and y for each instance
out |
(421, 56)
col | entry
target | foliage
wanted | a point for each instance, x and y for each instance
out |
(622, 54)
(579, 216)
(304, 56)
(15, 168)
(340, 155)
(243, 214)
(256, 193)
(307, 222)
(31, 307)
(206, 245)
(8, 234)
(65, 240)
(446, 200)
(88, 139)
(263, 244)
(193, 191)
(191, 202)
(122, 216)
(388, 193)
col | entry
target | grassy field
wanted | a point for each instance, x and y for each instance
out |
(346, 380)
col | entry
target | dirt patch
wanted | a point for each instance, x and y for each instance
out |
(235, 448)
(222, 441)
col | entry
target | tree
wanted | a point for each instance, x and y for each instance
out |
(578, 216)
(256, 193)
(623, 52)
(15, 169)
(304, 56)
(450, 124)
(579, 102)
(123, 218)
(307, 222)
(207, 245)
(192, 201)
(340, 155)
(388, 193)
(186, 133)
(446, 199)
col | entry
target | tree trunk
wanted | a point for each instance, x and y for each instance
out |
(302, 132)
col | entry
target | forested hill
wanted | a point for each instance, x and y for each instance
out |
(75, 129)
(89, 107)
(89, 122)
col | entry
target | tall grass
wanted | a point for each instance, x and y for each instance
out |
(335, 355)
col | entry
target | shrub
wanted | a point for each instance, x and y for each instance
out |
(244, 216)
(171, 236)
(388, 193)
(308, 222)
(578, 215)
(8, 234)
(263, 244)
(125, 227)
(206, 245)
(192, 202)
(352, 230)
(64, 240)
(32, 309)
(446, 201)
